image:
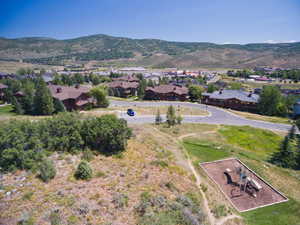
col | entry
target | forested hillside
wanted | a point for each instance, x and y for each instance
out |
(149, 52)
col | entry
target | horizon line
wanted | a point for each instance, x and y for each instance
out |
(270, 42)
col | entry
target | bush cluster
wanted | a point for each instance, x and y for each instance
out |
(47, 170)
(84, 171)
(159, 210)
(25, 143)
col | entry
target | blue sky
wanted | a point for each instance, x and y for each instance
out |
(218, 21)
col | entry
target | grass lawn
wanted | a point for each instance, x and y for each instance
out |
(204, 151)
(6, 111)
(253, 116)
(258, 141)
(287, 213)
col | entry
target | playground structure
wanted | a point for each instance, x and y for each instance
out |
(242, 182)
(240, 185)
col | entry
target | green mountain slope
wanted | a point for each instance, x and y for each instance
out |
(149, 52)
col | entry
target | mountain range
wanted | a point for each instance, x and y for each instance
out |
(149, 52)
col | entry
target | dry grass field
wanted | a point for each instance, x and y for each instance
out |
(147, 167)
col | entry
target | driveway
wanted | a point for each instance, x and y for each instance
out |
(217, 115)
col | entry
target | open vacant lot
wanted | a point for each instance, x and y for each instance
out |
(244, 201)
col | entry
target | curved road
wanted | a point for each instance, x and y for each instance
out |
(217, 115)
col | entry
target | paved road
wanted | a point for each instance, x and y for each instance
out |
(217, 115)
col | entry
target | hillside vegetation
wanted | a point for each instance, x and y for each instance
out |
(149, 52)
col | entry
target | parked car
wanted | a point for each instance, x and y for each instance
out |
(130, 112)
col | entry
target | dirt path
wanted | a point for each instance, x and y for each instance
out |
(211, 217)
(225, 219)
(183, 159)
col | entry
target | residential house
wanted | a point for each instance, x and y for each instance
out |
(166, 92)
(127, 79)
(73, 97)
(123, 88)
(233, 99)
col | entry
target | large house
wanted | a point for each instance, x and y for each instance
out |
(73, 97)
(123, 88)
(128, 78)
(166, 92)
(233, 99)
(2, 89)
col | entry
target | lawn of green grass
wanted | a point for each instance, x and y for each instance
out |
(287, 213)
(205, 151)
(258, 141)
(249, 145)
(6, 111)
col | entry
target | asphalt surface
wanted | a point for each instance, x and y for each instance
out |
(216, 115)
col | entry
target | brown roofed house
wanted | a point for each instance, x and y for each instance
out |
(127, 79)
(166, 92)
(73, 97)
(123, 88)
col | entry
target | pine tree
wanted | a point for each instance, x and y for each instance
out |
(142, 88)
(58, 106)
(28, 99)
(286, 156)
(43, 101)
(292, 132)
(17, 106)
(171, 117)
(158, 118)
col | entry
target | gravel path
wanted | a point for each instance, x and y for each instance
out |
(216, 115)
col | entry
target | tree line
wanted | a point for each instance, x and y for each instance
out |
(77, 78)
(34, 97)
(24, 143)
(293, 74)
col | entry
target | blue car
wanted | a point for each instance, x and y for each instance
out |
(130, 112)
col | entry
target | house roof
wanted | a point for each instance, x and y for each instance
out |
(127, 78)
(2, 86)
(123, 84)
(230, 94)
(67, 92)
(164, 89)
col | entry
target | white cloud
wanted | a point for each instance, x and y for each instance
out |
(275, 42)
(226, 43)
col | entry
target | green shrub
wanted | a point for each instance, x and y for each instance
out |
(28, 195)
(47, 170)
(55, 218)
(220, 211)
(107, 134)
(100, 174)
(160, 163)
(120, 200)
(83, 171)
